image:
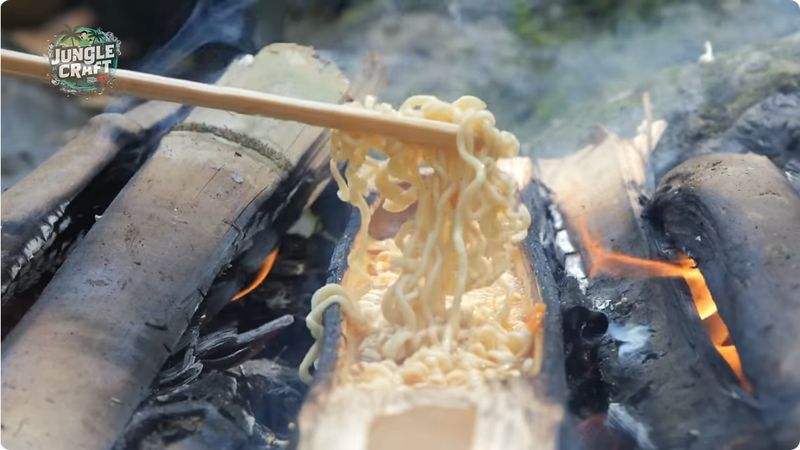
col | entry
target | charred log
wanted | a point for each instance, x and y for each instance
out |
(43, 220)
(223, 326)
(223, 410)
(656, 358)
(268, 390)
(738, 216)
(150, 260)
(583, 330)
(770, 128)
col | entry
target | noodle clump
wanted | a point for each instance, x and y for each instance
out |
(438, 303)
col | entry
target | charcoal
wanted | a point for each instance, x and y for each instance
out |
(197, 417)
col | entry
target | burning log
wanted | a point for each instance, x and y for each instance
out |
(513, 413)
(739, 217)
(79, 362)
(263, 401)
(658, 359)
(41, 220)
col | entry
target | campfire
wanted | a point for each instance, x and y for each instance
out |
(619, 265)
(158, 295)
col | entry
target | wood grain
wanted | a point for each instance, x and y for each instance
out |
(84, 356)
(34, 208)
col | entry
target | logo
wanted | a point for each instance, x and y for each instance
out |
(83, 60)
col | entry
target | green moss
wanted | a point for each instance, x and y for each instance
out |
(699, 101)
(528, 25)
(758, 91)
(728, 97)
(550, 22)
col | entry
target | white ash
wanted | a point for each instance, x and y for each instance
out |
(632, 337)
(564, 246)
(620, 419)
(36, 244)
(573, 265)
(603, 304)
(558, 220)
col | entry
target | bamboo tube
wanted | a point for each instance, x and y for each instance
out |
(86, 353)
(155, 87)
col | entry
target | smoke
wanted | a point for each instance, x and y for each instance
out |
(215, 33)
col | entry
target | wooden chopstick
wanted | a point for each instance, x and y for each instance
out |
(155, 87)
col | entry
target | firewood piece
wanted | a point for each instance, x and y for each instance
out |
(83, 358)
(509, 414)
(225, 348)
(671, 366)
(204, 415)
(739, 217)
(37, 208)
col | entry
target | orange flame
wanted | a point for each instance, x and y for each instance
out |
(262, 274)
(621, 265)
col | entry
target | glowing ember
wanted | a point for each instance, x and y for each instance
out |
(262, 274)
(620, 265)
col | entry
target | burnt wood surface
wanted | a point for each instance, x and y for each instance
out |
(84, 356)
(263, 402)
(540, 249)
(41, 205)
(46, 213)
(667, 386)
(739, 217)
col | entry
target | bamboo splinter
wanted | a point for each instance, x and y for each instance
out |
(155, 87)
